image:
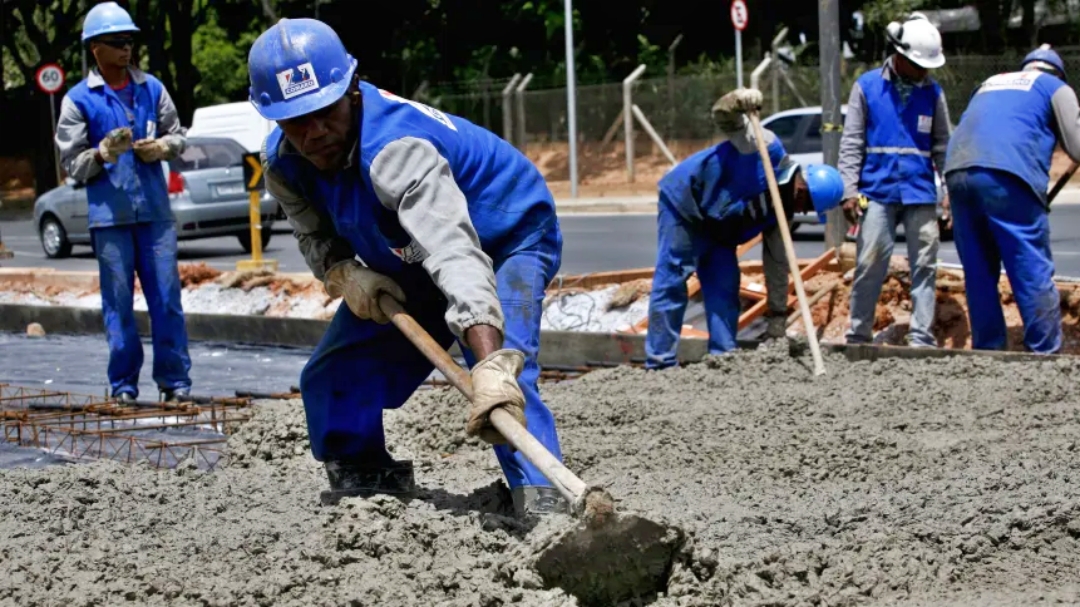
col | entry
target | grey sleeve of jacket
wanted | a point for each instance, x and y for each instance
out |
(319, 242)
(853, 142)
(941, 130)
(169, 128)
(775, 266)
(72, 137)
(1067, 119)
(412, 178)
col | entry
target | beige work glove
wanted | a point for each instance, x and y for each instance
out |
(114, 144)
(494, 382)
(151, 150)
(361, 287)
(740, 100)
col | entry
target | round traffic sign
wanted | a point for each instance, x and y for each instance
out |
(740, 16)
(50, 78)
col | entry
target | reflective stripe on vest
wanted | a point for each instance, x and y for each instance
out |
(912, 151)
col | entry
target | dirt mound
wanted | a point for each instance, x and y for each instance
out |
(195, 274)
(938, 481)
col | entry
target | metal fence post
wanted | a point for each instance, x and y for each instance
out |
(831, 118)
(507, 109)
(628, 119)
(777, 66)
(519, 94)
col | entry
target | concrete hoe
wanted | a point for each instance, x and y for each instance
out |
(607, 557)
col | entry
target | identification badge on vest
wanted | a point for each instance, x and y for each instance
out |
(151, 129)
(411, 253)
(926, 124)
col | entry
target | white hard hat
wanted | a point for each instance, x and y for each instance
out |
(918, 40)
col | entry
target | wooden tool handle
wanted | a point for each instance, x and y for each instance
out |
(572, 487)
(789, 248)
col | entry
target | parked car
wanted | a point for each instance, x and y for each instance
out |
(800, 132)
(206, 193)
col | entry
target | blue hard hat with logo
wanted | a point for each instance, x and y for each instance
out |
(826, 187)
(296, 67)
(106, 18)
(1048, 57)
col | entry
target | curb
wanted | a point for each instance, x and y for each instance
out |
(605, 205)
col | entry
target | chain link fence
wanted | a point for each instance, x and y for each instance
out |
(678, 107)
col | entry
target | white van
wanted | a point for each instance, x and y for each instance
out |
(239, 121)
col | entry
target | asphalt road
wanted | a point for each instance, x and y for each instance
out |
(592, 243)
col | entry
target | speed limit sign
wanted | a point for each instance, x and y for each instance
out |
(50, 78)
(739, 15)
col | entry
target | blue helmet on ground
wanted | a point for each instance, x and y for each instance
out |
(826, 187)
(1043, 58)
(106, 18)
(298, 66)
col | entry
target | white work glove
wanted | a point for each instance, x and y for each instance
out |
(151, 150)
(361, 288)
(114, 144)
(741, 100)
(494, 382)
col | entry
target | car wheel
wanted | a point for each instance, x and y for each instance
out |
(245, 238)
(54, 238)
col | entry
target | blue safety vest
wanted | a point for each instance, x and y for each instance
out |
(129, 190)
(898, 168)
(720, 191)
(509, 202)
(1008, 126)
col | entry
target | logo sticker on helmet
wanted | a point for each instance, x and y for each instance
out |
(298, 80)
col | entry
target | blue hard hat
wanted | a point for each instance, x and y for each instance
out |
(106, 18)
(298, 66)
(826, 187)
(1044, 54)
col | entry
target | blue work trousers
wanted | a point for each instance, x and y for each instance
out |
(997, 219)
(680, 252)
(361, 367)
(877, 235)
(148, 249)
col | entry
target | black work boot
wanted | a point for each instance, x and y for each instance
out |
(532, 501)
(364, 479)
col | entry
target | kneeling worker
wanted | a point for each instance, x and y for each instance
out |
(711, 203)
(448, 219)
(997, 170)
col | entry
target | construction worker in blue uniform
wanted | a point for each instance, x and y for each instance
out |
(711, 203)
(115, 129)
(447, 218)
(895, 136)
(997, 172)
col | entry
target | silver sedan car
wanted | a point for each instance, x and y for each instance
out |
(206, 193)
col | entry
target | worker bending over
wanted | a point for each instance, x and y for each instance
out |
(711, 203)
(998, 173)
(448, 219)
(115, 129)
(895, 133)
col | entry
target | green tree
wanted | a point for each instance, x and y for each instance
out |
(222, 63)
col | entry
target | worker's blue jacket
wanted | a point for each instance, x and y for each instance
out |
(1009, 126)
(129, 190)
(899, 139)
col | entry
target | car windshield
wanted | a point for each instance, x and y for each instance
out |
(785, 128)
(208, 155)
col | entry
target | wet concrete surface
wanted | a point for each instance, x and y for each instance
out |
(897, 482)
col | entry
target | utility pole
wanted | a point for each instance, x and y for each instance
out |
(831, 118)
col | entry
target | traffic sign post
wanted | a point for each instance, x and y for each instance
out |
(740, 16)
(254, 184)
(50, 79)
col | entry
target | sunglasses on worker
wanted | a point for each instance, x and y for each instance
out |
(117, 42)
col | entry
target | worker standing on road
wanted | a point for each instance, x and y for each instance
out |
(115, 129)
(998, 172)
(895, 134)
(449, 219)
(711, 203)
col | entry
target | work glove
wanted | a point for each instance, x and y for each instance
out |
(114, 144)
(151, 150)
(361, 288)
(852, 210)
(741, 100)
(494, 382)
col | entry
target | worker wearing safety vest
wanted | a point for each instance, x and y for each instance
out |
(998, 171)
(895, 134)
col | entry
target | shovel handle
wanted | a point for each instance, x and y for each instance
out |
(789, 248)
(572, 487)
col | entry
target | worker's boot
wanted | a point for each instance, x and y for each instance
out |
(125, 399)
(531, 500)
(362, 479)
(175, 395)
